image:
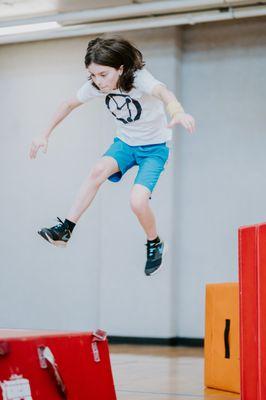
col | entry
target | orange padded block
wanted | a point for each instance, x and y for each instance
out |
(221, 346)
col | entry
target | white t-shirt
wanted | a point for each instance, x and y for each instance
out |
(140, 117)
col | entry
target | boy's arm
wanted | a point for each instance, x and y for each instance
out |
(62, 112)
(174, 108)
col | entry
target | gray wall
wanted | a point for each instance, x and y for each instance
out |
(98, 280)
(220, 181)
(213, 184)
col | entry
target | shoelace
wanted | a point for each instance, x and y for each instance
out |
(151, 249)
(59, 226)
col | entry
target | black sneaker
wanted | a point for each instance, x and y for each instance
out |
(57, 235)
(155, 252)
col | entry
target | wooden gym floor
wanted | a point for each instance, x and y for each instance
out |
(161, 373)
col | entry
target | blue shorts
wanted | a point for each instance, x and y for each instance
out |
(150, 159)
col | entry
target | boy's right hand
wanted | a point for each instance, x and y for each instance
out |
(37, 143)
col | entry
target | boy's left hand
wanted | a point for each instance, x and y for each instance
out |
(186, 120)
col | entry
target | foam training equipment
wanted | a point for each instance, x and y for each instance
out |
(45, 365)
(252, 279)
(221, 344)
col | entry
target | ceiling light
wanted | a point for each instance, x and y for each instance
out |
(10, 30)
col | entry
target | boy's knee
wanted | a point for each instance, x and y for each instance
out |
(138, 203)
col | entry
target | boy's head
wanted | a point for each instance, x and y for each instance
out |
(105, 78)
(111, 63)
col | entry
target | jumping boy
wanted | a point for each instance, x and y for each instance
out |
(137, 101)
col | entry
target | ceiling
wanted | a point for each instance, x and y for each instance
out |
(84, 17)
(14, 9)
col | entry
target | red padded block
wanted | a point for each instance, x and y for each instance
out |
(261, 254)
(252, 275)
(248, 285)
(81, 369)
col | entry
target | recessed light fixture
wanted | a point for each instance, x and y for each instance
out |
(16, 29)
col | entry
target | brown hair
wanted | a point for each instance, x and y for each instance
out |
(114, 52)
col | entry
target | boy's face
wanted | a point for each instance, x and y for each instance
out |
(105, 78)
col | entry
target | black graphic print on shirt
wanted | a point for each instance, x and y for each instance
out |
(123, 107)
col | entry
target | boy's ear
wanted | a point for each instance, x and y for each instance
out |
(121, 69)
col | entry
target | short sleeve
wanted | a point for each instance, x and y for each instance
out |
(87, 92)
(145, 81)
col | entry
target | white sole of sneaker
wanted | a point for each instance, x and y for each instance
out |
(165, 249)
(56, 243)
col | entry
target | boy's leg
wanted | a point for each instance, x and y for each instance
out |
(155, 247)
(139, 202)
(99, 173)
(61, 233)
(151, 161)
